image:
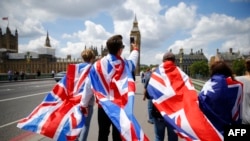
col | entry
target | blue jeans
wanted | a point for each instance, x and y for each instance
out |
(85, 130)
(159, 129)
(150, 108)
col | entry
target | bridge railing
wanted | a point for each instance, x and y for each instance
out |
(4, 77)
(198, 84)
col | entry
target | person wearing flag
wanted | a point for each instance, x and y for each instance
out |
(59, 116)
(88, 56)
(221, 97)
(175, 97)
(114, 87)
(159, 124)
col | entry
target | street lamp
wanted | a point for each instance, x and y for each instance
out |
(181, 58)
(181, 62)
(28, 59)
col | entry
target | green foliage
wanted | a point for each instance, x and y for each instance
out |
(145, 67)
(199, 69)
(238, 67)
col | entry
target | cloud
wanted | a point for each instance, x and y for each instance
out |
(34, 45)
(216, 31)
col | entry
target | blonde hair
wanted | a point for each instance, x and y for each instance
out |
(87, 55)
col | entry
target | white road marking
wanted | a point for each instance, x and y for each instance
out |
(5, 90)
(10, 123)
(14, 98)
(3, 100)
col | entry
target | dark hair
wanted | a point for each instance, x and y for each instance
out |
(169, 56)
(220, 67)
(114, 44)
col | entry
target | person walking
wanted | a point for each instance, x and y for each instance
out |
(88, 57)
(10, 75)
(52, 73)
(160, 124)
(62, 105)
(22, 75)
(146, 96)
(245, 79)
(110, 70)
(221, 97)
(175, 97)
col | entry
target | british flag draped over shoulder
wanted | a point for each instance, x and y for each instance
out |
(58, 116)
(115, 91)
(220, 100)
(176, 98)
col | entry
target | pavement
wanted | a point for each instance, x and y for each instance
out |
(140, 112)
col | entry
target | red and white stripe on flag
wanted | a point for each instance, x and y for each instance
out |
(5, 18)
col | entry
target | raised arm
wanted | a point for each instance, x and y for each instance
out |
(133, 57)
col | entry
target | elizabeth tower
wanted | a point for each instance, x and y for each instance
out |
(135, 37)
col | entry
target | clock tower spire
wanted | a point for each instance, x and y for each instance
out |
(135, 37)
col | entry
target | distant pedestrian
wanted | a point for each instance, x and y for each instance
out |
(52, 73)
(22, 75)
(146, 96)
(10, 75)
(16, 74)
(142, 77)
(38, 73)
(147, 74)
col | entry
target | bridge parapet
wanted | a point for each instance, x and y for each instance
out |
(198, 84)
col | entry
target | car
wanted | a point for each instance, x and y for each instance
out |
(58, 76)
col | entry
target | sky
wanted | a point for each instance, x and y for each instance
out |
(164, 25)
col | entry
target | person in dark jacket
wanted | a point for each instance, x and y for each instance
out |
(146, 96)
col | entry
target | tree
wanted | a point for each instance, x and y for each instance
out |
(199, 69)
(238, 67)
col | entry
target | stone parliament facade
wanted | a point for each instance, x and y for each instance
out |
(30, 62)
(45, 60)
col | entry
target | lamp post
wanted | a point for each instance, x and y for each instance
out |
(28, 59)
(181, 62)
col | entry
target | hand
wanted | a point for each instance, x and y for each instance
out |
(84, 110)
(135, 46)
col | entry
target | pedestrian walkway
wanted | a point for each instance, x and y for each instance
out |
(140, 112)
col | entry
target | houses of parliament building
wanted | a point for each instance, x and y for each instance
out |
(30, 62)
(45, 60)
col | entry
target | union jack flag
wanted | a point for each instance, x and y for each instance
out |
(115, 91)
(59, 116)
(176, 98)
(220, 100)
